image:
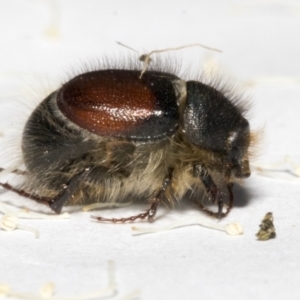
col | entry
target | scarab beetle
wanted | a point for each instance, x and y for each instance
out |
(113, 135)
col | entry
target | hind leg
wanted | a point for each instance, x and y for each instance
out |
(25, 194)
(17, 171)
(58, 201)
(151, 212)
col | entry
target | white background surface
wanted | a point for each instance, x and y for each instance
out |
(41, 42)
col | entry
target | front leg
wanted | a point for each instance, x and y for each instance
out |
(213, 192)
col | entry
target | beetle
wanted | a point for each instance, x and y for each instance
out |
(115, 134)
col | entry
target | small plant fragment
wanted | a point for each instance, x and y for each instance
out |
(267, 229)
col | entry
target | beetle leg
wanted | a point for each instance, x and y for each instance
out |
(17, 171)
(151, 212)
(58, 201)
(229, 188)
(213, 192)
(25, 194)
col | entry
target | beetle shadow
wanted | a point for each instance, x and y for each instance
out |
(242, 198)
(241, 195)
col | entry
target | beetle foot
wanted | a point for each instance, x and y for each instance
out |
(150, 214)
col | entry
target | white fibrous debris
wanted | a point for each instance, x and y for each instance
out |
(4, 290)
(48, 290)
(146, 58)
(10, 218)
(130, 296)
(53, 29)
(27, 214)
(277, 81)
(234, 229)
(230, 229)
(287, 169)
(105, 205)
(10, 222)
